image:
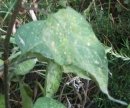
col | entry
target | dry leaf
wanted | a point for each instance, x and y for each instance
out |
(33, 15)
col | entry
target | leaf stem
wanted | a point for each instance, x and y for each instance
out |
(109, 4)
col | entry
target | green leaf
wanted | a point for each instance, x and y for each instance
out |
(29, 39)
(62, 3)
(128, 106)
(24, 67)
(1, 54)
(119, 7)
(77, 71)
(45, 102)
(1, 62)
(86, 12)
(68, 39)
(26, 93)
(12, 39)
(126, 1)
(2, 101)
(53, 78)
(107, 49)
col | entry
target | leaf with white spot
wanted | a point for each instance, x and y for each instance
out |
(24, 67)
(53, 79)
(32, 38)
(45, 102)
(67, 38)
(21, 41)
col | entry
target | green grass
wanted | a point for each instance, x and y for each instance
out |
(118, 38)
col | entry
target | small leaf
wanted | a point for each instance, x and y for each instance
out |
(107, 49)
(24, 67)
(12, 40)
(26, 93)
(2, 101)
(1, 65)
(126, 1)
(1, 62)
(62, 3)
(86, 12)
(128, 106)
(14, 55)
(45, 102)
(1, 54)
(53, 78)
(119, 8)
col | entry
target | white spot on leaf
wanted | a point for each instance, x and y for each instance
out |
(52, 44)
(96, 62)
(21, 40)
(95, 52)
(55, 50)
(88, 44)
(75, 42)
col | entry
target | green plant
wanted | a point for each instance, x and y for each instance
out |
(62, 42)
(63, 38)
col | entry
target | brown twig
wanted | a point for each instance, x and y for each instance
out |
(122, 5)
(90, 104)
(6, 52)
(85, 92)
(36, 9)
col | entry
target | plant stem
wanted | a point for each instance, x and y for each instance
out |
(109, 4)
(6, 52)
